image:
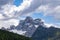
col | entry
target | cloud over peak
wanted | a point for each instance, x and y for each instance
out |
(10, 11)
(29, 6)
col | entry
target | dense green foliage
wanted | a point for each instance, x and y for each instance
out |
(5, 35)
(43, 33)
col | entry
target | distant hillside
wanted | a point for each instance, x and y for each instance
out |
(5, 35)
(43, 33)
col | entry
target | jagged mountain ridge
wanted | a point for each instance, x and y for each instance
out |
(43, 33)
(26, 27)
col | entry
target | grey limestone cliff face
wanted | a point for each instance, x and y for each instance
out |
(29, 25)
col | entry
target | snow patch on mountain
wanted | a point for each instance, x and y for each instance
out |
(28, 26)
(18, 31)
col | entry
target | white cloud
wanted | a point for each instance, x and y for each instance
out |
(13, 22)
(9, 12)
(49, 7)
(1, 16)
(3, 2)
(47, 25)
(7, 23)
(29, 6)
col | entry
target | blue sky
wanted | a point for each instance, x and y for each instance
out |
(48, 19)
(48, 10)
(18, 2)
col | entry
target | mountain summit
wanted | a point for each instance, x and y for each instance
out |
(27, 27)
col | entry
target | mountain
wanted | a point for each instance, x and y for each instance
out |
(5, 35)
(25, 27)
(36, 29)
(43, 33)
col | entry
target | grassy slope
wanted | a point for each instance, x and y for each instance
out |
(5, 35)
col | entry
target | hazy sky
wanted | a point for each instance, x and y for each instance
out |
(11, 11)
